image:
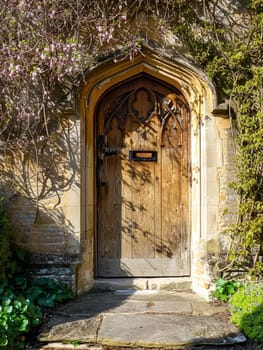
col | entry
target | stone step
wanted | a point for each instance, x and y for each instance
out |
(165, 284)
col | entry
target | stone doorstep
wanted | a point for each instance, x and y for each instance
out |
(165, 284)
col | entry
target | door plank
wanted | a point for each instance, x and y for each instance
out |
(171, 190)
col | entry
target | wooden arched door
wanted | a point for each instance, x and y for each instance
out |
(143, 181)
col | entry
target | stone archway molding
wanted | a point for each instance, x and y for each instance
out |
(201, 97)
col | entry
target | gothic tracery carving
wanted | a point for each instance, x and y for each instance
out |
(140, 106)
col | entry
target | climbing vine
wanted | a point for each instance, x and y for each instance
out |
(243, 64)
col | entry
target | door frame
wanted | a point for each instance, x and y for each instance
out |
(201, 98)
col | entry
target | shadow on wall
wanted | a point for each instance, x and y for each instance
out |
(41, 186)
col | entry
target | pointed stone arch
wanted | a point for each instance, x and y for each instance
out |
(201, 99)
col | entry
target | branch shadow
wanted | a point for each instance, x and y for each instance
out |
(41, 185)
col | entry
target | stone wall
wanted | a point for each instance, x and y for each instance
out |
(219, 202)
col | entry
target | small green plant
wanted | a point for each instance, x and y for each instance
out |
(18, 315)
(21, 303)
(47, 292)
(75, 343)
(246, 307)
(44, 292)
(226, 288)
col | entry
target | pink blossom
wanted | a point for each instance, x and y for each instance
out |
(33, 75)
(52, 48)
(52, 14)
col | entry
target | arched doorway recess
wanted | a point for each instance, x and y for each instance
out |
(110, 144)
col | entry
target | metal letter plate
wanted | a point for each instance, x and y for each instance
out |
(143, 156)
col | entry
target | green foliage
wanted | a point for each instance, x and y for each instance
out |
(246, 307)
(75, 343)
(225, 288)
(18, 315)
(5, 251)
(47, 292)
(22, 301)
(44, 292)
(247, 234)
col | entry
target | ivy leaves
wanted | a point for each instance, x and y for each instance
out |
(246, 75)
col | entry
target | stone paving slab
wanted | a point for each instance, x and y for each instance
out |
(165, 330)
(83, 331)
(152, 306)
(207, 309)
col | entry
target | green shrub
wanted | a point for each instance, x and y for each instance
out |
(18, 315)
(45, 292)
(246, 307)
(5, 250)
(225, 288)
(21, 306)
